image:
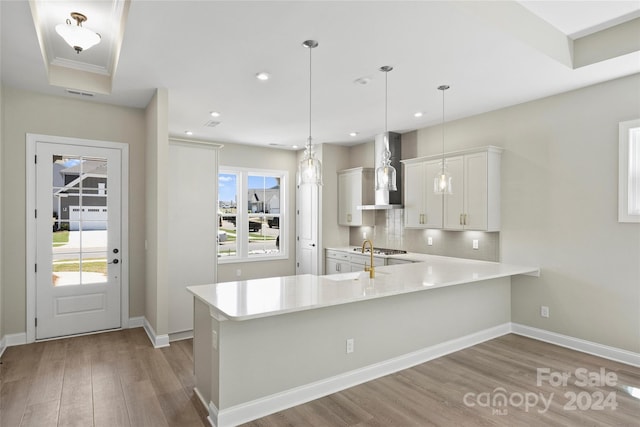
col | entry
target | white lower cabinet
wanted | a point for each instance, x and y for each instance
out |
(344, 262)
(336, 262)
(360, 261)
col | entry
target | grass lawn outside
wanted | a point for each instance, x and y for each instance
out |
(88, 266)
(60, 238)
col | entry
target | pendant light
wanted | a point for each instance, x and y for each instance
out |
(442, 180)
(385, 173)
(310, 168)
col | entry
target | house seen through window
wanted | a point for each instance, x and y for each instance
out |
(250, 210)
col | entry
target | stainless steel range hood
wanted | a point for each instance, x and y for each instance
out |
(387, 199)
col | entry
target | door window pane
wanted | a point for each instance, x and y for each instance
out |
(79, 220)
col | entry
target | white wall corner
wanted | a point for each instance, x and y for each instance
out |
(158, 341)
(136, 322)
(589, 347)
(11, 340)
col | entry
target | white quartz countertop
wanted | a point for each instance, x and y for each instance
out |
(251, 299)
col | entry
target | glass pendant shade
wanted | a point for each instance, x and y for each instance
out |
(77, 36)
(386, 174)
(310, 169)
(442, 181)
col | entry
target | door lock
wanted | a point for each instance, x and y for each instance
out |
(115, 261)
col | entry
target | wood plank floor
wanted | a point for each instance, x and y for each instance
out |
(118, 379)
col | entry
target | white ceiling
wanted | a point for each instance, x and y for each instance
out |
(206, 53)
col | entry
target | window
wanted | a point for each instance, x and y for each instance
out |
(629, 172)
(251, 207)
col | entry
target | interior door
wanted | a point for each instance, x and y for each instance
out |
(78, 236)
(307, 250)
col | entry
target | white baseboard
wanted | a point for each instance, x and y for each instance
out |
(11, 340)
(590, 347)
(177, 336)
(158, 341)
(276, 402)
(136, 322)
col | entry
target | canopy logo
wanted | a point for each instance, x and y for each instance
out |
(576, 398)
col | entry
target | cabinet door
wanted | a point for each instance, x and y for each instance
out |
(332, 266)
(414, 190)
(475, 195)
(355, 198)
(344, 196)
(454, 203)
(432, 201)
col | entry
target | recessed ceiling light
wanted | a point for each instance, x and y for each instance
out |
(295, 147)
(263, 76)
(188, 132)
(418, 114)
(353, 133)
(215, 114)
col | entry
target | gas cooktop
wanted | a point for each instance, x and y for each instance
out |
(381, 251)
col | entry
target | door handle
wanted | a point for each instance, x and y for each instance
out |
(313, 245)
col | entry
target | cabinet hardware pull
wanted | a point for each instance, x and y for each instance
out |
(461, 223)
(465, 219)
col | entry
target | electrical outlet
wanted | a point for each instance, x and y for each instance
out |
(238, 273)
(364, 235)
(350, 345)
(474, 244)
(544, 311)
(430, 241)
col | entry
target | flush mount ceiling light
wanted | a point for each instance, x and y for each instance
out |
(263, 76)
(215, 114)
(77, 36)
(385, 173)
(418, 114)
(442, 180)
(310, 168)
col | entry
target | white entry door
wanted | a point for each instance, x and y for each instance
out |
(307, 248)
(78, 239)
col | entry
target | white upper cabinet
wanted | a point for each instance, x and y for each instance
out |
(356, 187)
(422, 207)
(475, 202)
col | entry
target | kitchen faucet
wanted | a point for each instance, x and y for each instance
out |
(372, 269)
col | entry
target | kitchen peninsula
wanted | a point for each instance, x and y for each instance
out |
(267, 344)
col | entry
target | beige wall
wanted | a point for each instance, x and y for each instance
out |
(27, 112)
(334, 158)
(156, 225)
(559, 208)
(251, 156)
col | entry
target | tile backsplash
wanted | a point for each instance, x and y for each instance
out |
(389, 232)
